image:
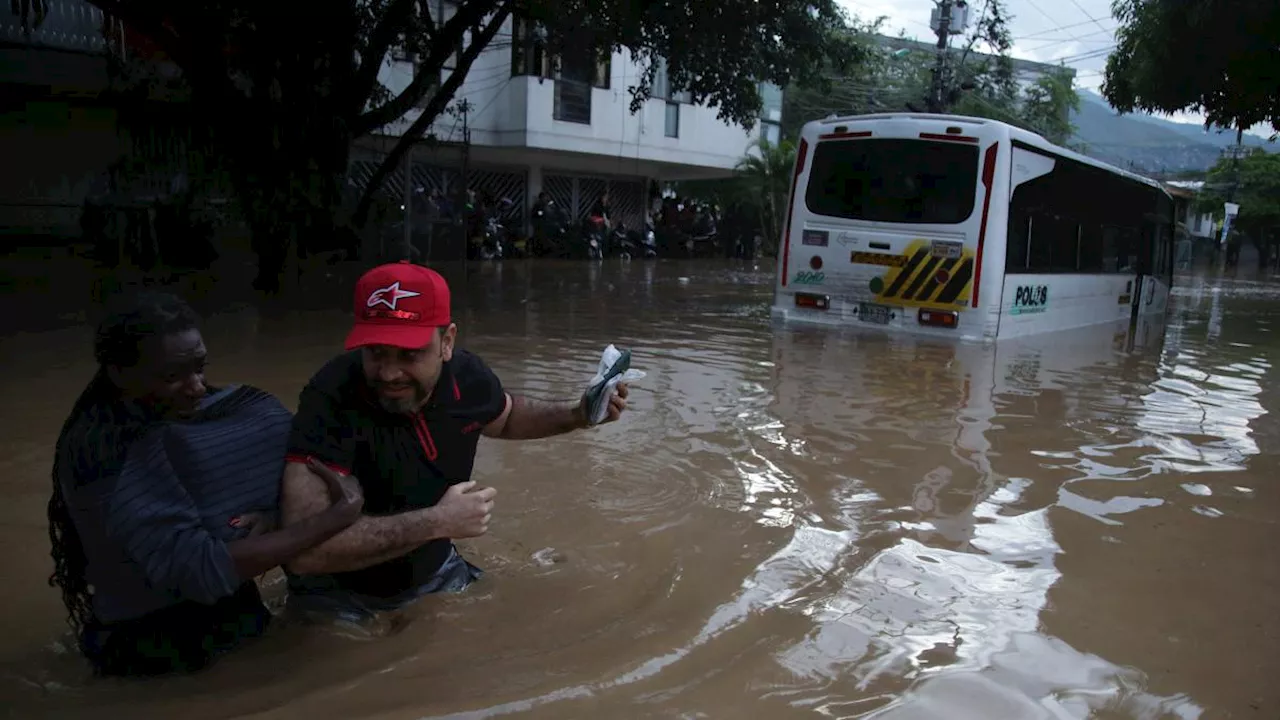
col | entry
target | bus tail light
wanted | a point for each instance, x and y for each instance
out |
(938, 318)
(817, 302)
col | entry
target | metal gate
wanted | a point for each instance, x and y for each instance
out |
(494, 185)
(578, 194)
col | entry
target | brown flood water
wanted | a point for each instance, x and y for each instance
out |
(789, 522)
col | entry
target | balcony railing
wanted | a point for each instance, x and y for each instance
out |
(573, 101)
(59, 24)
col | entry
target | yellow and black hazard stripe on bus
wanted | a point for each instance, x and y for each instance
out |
(928, 279)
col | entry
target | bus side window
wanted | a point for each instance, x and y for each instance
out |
(1110, 249)
(1045, 229)
(1091, 247)
(1019, 231)
(1065, 247)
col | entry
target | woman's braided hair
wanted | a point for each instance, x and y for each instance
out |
(99, 431)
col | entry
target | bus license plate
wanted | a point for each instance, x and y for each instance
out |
(872, 313)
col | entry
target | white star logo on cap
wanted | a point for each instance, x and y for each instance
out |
(392, 291)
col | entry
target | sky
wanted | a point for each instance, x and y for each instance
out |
(1077, 32)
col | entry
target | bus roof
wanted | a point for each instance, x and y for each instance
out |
(1014, 132)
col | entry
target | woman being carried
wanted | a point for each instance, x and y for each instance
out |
(165, 494)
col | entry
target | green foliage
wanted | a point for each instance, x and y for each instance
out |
(1218, 57)
(1257, 190)
(765, 178)
(978, 84)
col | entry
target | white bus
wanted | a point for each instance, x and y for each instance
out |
(965, 227)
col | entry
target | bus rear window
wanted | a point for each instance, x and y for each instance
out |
(896, 181)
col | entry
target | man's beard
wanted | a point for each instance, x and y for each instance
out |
(404, 405)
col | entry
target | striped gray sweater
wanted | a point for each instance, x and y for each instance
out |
(155, 526)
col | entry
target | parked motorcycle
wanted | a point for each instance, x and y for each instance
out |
(593, 234)
(702, 244)
(650, 242)
(551, 231)
(494, 244)
(627, 245)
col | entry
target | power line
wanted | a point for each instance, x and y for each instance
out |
(1081, 39)
(1050, 31)
(1046, 15)
(1086, 14)
(1081, 57)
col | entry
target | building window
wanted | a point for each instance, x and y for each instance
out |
(400, 54)
(528, 56)
(572, 101)
(576, 74)
(432, 87)
(442, 11)
(771, 132)
(662, 90)
(770, 103)
(673, 120)
(661, 87)
(603, 77)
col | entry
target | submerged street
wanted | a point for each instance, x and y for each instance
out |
(788, 522)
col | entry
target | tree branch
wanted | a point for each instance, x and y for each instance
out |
(441, 98)
(448, 38)
(394, 19)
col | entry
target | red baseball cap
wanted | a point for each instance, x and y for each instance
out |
(399, 304)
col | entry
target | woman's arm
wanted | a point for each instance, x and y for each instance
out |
(257, 554)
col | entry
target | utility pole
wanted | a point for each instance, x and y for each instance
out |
(407, 251)
(1236, 152)
(950, 17)
(943, 28)
(1230, 208)
(462, 109)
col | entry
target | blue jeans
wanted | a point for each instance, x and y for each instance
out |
(312, 598)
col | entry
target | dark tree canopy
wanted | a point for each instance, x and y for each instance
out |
(1218, 57)
(716, 51)
(286, 87)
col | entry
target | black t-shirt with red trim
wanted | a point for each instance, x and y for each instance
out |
(403, 462)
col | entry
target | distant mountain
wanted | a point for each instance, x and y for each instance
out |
(1149, 144)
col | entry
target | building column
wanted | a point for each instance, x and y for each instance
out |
(652, 205)
(533, 186)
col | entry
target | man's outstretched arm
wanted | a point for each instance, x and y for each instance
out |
(526, 419)
(366, 542)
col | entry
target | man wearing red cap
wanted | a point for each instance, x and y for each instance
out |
(401, 413)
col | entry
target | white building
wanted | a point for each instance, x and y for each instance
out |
(568, 131)
(1198, 225)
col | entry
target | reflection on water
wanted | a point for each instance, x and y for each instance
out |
(791, 522)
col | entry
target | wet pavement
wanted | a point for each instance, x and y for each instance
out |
(790, 522)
